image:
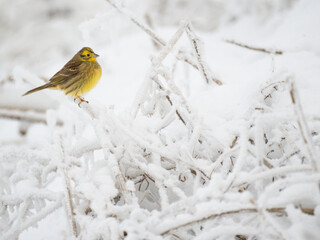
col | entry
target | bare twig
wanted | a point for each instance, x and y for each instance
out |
(240, 160)
(190, 59)
(234, 141)
(185, 56)
(26, 116)
(69, 203)
(177, 112)
(309, 211)
(304, 130)
(148, 18)
(278, 52)
(202, 66)
(140, 24)
(221, 158)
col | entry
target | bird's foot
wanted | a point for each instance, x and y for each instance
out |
(81, 100)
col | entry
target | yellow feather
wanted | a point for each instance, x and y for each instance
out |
(91, 82)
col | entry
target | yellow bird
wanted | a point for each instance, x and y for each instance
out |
(77, 77)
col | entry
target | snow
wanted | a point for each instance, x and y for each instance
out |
(162, 150)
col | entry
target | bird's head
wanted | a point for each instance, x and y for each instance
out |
(86, 54)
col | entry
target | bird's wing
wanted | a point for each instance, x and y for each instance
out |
(69, 71)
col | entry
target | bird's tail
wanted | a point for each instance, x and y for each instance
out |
(47, 85)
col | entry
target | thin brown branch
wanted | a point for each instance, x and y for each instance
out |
(26, 116)
(70, 203)
(195, 42)
(182, 56)
(234, 141)
(309, 211)
(241, 237)
(303, 127)
(141, 25)
(266, 163)
(189, 59)
(274, 85)
(149, 22)
(22, 118)
(202, 66)
(177, 112)
(278, 52)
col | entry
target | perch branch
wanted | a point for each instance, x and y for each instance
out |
(108, 148)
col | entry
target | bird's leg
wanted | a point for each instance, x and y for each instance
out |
(81, 100)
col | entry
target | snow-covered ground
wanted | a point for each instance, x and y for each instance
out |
(159, 152)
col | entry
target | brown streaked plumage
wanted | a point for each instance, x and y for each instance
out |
(77, 77)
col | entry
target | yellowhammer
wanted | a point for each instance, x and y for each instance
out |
(77, 77)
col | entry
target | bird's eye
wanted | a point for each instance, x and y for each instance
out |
(88, 54)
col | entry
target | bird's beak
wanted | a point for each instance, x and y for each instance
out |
(96, 55)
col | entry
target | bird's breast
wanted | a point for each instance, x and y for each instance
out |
(94, 75)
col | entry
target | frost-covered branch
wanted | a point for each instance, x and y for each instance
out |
(26, 116)
(61, 162)
(303, 127)
(202, 65)
(108, 148)
(229, 212)
(158, 39)
(139, 23)
(151, 74)
(15, 231)
(270, 51)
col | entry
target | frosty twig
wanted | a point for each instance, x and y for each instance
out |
(140, 24)
(152, 70)
(240, 160)
(278, 52)
(303, 127)
(235, 211)
(68, 198)
(202, 66)
(159, 40)
(109, 151)
(15, 231)
(26, 116)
